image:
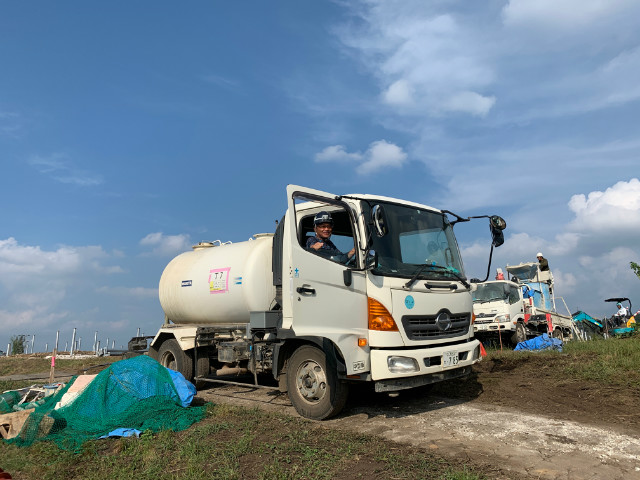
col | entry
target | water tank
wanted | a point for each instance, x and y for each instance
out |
(215, 284)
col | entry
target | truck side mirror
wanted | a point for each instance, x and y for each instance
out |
(497, 225)
(379, 219)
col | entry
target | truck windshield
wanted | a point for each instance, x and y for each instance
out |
(488, 292)
(417, 240)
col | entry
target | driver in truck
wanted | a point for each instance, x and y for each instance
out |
(321, 243)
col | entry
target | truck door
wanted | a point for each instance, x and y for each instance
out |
(326, 301)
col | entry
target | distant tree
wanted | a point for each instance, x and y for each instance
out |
(17, 344)
(636, 268)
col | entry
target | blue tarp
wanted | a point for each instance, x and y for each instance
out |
(186, 389)
(542, 342)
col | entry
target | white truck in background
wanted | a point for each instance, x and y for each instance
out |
(498, 306)
(398, 313)
(522, 307)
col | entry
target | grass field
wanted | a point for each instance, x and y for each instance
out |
(613, 362)
(24, 364)
(237, 443)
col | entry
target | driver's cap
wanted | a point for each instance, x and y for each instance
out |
(539, 254)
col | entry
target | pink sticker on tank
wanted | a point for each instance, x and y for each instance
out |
(219, 280)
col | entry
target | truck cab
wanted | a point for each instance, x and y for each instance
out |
(498, 306)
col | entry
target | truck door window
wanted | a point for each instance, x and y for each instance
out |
(514, 295)
(341, 235)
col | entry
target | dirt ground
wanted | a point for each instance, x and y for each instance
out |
(531, 386)
(511, 418)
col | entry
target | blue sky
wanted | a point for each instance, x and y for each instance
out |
(130, 131)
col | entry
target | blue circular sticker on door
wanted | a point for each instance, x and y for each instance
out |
(409, 302)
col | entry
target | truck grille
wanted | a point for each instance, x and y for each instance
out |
(435, 326)
(485, 317)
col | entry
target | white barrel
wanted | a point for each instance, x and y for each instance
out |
(219, 284)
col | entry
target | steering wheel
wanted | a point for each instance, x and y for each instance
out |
(432, 247)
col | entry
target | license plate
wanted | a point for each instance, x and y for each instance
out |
(449, 359)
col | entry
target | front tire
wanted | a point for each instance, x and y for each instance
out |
(314, 390)
(521, 333)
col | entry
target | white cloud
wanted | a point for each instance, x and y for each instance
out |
(617, 209)
(59, 167)
(166, 244)
(399, 93)
(337, 153)
(565, 283)
(43, 290)
(140, 292)
(427, 62)
(568, 14)
(30, 319)
(469, 102)
(380, 155)
(21, 261)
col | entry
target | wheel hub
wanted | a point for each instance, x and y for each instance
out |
(311, 381)
(169, 361)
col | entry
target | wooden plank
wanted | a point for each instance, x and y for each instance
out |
(11, 423)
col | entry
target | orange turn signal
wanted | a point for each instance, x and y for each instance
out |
(362, 342)
(473, 318)
(380, 318)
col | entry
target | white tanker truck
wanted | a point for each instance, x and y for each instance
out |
(397, 313)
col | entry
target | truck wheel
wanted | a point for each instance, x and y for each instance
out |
(314, 389)
(557, 333)
(170, 355)
(521, 333)
(202, 367)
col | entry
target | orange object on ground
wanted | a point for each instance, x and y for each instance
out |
(483, 352)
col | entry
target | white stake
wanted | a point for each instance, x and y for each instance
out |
(73, 341)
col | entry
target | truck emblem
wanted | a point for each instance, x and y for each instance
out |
(186, 283)
(443, 321)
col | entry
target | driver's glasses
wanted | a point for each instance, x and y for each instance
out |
(325, 227)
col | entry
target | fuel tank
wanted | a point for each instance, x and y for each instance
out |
(217, 284)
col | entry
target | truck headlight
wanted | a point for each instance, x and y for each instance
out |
(502, 318)
(402, 364)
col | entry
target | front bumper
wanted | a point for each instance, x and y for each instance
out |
(429, 362)
(493, 327)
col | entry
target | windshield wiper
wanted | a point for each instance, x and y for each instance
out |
(415, 275)
(438, 267)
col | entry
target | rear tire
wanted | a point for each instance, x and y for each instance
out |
(202, 367)
(314, 390)
(170, 355)
(557, 333)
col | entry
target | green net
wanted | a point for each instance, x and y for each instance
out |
(138, 393)
(8, 400)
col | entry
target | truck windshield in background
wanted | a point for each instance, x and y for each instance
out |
(488, 292)
(416, 238)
